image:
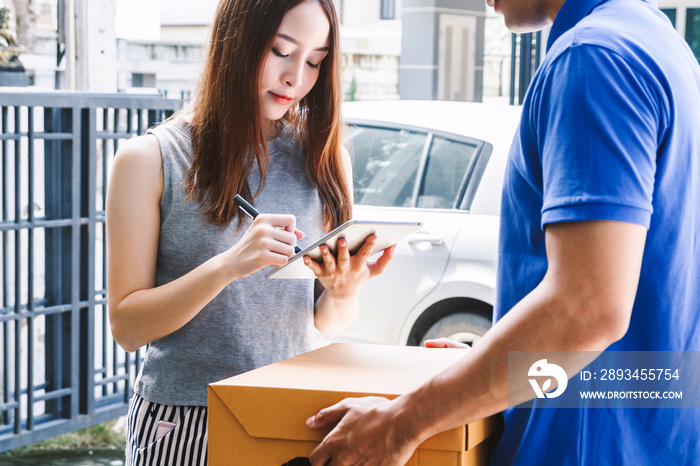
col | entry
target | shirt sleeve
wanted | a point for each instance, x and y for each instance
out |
(597, 130)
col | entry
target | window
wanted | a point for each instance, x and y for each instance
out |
(385, 164)
(143, 80)
(671, 13)
(446, 169)
(388, 9)
(692, 30)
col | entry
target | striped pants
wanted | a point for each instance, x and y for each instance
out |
(184, 445)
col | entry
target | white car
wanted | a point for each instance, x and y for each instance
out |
(442, 164)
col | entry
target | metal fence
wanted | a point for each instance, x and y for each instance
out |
(525, 58)
(60, 369)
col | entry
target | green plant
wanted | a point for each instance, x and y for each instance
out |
(351, 94)
(99, 436)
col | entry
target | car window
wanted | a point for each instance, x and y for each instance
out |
(445, 171)
(385, 164)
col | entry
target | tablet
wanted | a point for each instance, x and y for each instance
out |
(355, 232)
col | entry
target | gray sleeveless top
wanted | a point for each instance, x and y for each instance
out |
(254, 321)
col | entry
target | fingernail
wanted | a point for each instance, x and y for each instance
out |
(307, 261)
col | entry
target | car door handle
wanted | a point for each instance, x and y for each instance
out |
(426, 238)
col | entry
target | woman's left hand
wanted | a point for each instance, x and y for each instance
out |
(341, 277)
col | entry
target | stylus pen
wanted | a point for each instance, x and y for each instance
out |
(252, 212)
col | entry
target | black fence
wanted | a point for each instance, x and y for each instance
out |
(60, 369)
(525, 58)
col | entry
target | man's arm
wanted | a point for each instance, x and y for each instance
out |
(584, 303)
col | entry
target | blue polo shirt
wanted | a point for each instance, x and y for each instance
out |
(610, 131)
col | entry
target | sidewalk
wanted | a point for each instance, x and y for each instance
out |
(82, 457)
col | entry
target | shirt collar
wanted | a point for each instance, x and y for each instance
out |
(571, 12)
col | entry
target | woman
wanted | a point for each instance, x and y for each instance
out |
(186, 267)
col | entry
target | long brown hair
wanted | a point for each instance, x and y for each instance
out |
(227, 135)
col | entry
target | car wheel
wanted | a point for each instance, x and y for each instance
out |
(462, 326)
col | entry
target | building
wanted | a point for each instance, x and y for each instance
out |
(443, 49)
(413, 49)
(409, 49)
(371, 41)
(163, 50)
(420, 49)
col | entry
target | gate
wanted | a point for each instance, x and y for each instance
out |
(60, 369)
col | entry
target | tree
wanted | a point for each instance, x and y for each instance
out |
(25, 18)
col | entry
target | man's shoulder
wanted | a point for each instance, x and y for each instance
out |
(632, 29)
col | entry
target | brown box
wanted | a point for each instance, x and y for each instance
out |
(258, 418)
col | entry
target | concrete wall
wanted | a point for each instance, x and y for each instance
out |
(96, 46)
(198, 34)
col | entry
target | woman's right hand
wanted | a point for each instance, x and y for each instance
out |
(270, 240)
(139, 311)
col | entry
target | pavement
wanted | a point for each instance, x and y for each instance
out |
(84, 457)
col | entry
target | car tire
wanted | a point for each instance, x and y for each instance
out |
(464, 327)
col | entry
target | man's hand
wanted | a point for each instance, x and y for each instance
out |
(445, 343)
(583, 304)
(368, 430)
(367, 433)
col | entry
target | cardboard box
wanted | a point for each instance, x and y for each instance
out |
(258, 418)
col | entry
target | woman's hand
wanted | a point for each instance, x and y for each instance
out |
(269, 240)
(341, 277)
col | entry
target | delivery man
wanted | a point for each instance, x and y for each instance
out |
(599, 249)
